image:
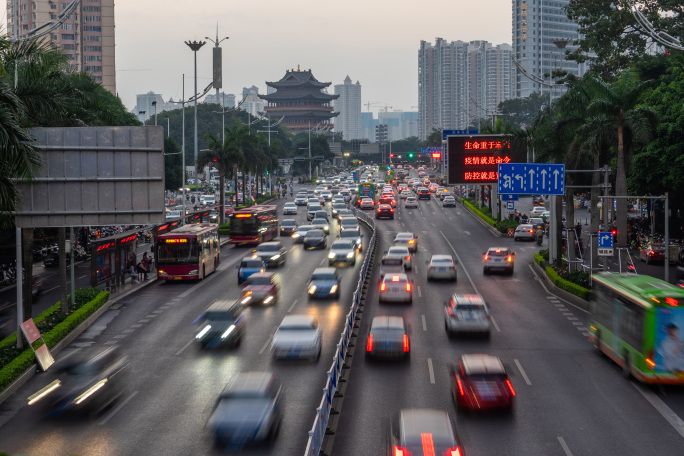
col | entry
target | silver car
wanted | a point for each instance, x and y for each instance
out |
(404, 252)
(411, 201)
(342, 251)
(395, 288)
(441, 267)
(467, 313)
(298, 336)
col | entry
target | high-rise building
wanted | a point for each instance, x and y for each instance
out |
(401, 124)
(542, 33)
(349, 106)
(227, 100)
(459, 83)
(368, 124)
(144, 108)
(86, 36)
(252, 102)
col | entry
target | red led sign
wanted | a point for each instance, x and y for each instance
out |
(474, 159)
(106, 246)
(436, 155)
(129, 238)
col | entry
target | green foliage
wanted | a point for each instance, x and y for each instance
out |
(577, 277)
(544, 254)
(539, 259)
(521, 112)
(505, 224)
(565, 285)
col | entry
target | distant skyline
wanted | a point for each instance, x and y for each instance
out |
(375, 43)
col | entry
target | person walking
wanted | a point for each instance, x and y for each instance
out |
(145, 265)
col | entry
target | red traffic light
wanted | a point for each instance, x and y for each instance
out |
(215, 159)
(436, 155)
(391, 155)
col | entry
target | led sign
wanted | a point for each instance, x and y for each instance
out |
(128, 239)
(474, 159)
(175, 241)
(106, 246)
(436, 155)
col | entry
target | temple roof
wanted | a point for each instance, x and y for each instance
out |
(301, 114)
(297, 78)
(298, 94)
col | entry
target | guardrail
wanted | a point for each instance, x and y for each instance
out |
(320, 424)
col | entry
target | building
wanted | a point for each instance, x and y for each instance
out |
(542, 33)
(252, 102)
(401, 124)
(86, 36)
(144, 108)
(301, 101)
(227, 100)
(460, 83)
(349, 106)
(368, 124)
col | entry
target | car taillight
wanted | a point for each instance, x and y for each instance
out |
(383, 286)
(510, 387)
(408, 287)
(369, 344)
(453, 452)
(391, 210)
(406, 343)
(411, 241)
(460, 386)
(400, 451)
(509, 258)
(486, 258)
(408, 258)
(531, 231)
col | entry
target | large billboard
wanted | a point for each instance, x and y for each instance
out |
(474, 159)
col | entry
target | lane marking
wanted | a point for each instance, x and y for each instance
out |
(467, 232)
(431, 371)
(83, 276)
(667, 413)
(541, 282)
(120, 336)
(495, 323)
(424, 323)
(136, 326)
(292, 306)
(415, 270)
(117, 408)
(54, 288)
(420, 294)
(268, 341)
(323, 261)
(184, 347)
(470, 279)
(522, 371)
(565, 446)
(145, 320)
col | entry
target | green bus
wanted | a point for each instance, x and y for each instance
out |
(638, 322)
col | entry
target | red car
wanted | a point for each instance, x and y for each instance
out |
(260, 288)
(480, 382)
(652, 252)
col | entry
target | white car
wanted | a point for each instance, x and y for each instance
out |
(524, 232)
(411, 201)
(449, 201)
(407, 239)
(404, 253)
(301, 200)
(537, 211)
(367, 203)
(173, 215)
(395, 288)
(298, 336)
(321, 224)
(404, 194)
(441, 267)
(290, 209)
(467, 313)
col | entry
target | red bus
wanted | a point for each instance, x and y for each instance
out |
(189, 252)
(254, 225)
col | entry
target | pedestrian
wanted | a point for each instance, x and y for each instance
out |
(145, 265)
(130, 266)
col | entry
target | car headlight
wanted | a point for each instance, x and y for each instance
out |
(204, 332)
(331, 255)
(350, 254)
(333, 289)
(194, 272)
(230, 329)
(275, 257)
(312, 289)
(296, 235)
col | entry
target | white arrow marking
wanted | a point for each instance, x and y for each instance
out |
(555, 178)
(544, 173)
(531, 173)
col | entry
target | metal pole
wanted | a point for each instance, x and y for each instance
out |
(168, 126)
(196, 146)
(73, 266)
(20, 288)
(310, 177)
(184, 183)
(606, 187)
(667, 237)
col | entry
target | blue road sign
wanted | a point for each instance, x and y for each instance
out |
(532, 178)
(509, 197)
(446, 133)
(605, 240)
(510, 205)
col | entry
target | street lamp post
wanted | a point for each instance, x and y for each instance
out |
(154, 105)
(217, 55)
(142, 113)
(168, 127)
(195, 46)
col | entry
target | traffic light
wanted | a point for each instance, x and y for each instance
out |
(391, 155)
(267, 172)
(410, 155)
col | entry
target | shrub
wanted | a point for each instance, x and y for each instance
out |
(539, 259)
(505, 224)
(544, 254)
(565, 285)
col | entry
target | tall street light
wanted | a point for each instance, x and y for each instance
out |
(168, 126)
(218, 63)
(195, 46)
(154, 105)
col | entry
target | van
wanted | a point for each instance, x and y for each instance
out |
(208, 200)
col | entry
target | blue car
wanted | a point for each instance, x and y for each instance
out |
(324, 283)
(249, 266)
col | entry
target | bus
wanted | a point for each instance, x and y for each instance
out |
(366, 190)
(638, 322)
(190, 252)
(254, 225)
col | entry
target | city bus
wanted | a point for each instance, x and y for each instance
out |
(254, 225)
(190, 252)
(638, 322)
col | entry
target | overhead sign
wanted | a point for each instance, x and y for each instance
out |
(474, 159)
(285, 161)
(532, 178)
(509, 197)
(447, 133)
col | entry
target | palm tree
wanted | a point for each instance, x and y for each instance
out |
(224, 157)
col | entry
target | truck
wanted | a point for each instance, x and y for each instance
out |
(366, 190)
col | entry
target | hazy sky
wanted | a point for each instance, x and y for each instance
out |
(375, 42)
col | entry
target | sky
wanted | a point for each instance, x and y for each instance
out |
(374, 42)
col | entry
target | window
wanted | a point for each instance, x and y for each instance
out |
(92, 28)
(93, 58)
(92, 38)
(67, 26)
(68, 36)
(92, 8)
(92, 48)
(95, 69)
(69, 47)
(91, 18)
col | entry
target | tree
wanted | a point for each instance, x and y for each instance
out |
(173, 166)
(520, 112)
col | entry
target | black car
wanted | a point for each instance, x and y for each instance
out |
(384, 211)
(288, 227)
(273, 253)
(423, 431)
(388, 338)
(222, 324)
(315, 239)
(423, 193)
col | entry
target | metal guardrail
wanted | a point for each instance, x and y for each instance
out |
(320, 424)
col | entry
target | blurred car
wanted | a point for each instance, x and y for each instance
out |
(173, 215)
(315, 239)
(288, 227)
(260, 288)
(322, 214)
(311, 210)
(652, 252)
(395, 288)
(248, 266)
(527, 232)
(411, 201)
(441, 267)
(298, 336)
(344, 213)
(214, 216)
(423, 193)
(324, 283)
(423, 432)
(300, 200)
(336, 207)
(405, 194)
(404, 252)
(349, 222)
(388, 338)
(327, 196)
(221, 324)
(535, 222)
(248, 410)
(407, 239)
(384, 211)
(391, 265)
(498, 258)
(342, 251)
(87, 382)
(300, 232)
(366, 203)
(321, 224)
(479, 382)
(352, 234)
(449, 201)
(467, 313)
(389, 199)
(273, 253)
(290, 209)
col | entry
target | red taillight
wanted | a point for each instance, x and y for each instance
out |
(460, 386)
(509, 258)
(383, 286)
(411, 241)
(400, 451)
(510, 387)
(406, 343)
(531, 231)
(408, 287)
(453, 452)
(391, 210)
(408, 258)
(369, 344)
(486, 258)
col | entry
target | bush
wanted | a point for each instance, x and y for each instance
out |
(565, 285)
(544, 254)
(505, 224)
(539, 260)
(580, 278)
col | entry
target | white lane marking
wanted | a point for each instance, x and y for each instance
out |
(292, 306)
(150, 316)
(496, 326)
(110, 342)
(268, 341)
(120, 336)
(527, 380)
(577, 323)
(541, 282)
(667, 413)
(54, 288)
(128, 331)
(470, 279)
(572, 318)
(565, 446)
(420, 294)
(83, 276)
(467, 232)
(184, 347)
(424, 323)
(136, 326)
(415, 269)
(292, 249)
(323, 261)
(431, 371)
(143, 320)
(118, 407)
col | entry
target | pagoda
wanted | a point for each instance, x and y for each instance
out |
(300, 100)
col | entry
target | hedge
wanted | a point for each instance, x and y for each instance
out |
(564, 284)
(479, 213)
(539, 259)
(505, 224)
(24, 361)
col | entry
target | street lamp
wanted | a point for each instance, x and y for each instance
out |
(168, 127)
(218, 62)
(195, 46)
(142, 114)
(154, 105)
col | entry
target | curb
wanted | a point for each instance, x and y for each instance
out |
(567, 296)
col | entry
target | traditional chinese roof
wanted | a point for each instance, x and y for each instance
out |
(298, 94)
(298, 78)
(303, 114)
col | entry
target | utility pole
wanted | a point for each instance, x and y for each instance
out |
(195, 46)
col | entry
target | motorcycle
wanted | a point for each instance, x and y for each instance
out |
(37, 288)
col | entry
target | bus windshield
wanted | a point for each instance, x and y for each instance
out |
(244, 225)
(186, 253)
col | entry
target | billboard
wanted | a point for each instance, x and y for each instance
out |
(669, 339)
(474, 159)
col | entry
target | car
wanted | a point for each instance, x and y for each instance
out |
(315, 239)
(311, 210)
(321, 224)
(273, 253)
(336, 207)
(248, 266)
(327, 195)
(384, 211)
(395, 288)
(480, 382)
(391, 265)
(173, 215)
(298, 336)
(222, 324)
(498, 258)
(288, 227)
(366, 203)
(467, 314)
(352, 234)
(537, 211)
(342, 251)
(405, 194)
(300, 232)
(423, 432)
(313, 201)
(290, 209)
(88, 381)
(301, 200)
(527, 232)
(349, 222)
(449, 201)
(324, 283)
(319, 214)
(213, 216)
(651, 253)
(388, 200)
(411, 201)
(441, 267)
(248, 410)
(346, 194)
(423, 193)
(404, 253)
(407, 239)
(260, 288)
(344, 213)
(388, 338)
(335, 189)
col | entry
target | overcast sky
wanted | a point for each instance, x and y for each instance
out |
(375, 42)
